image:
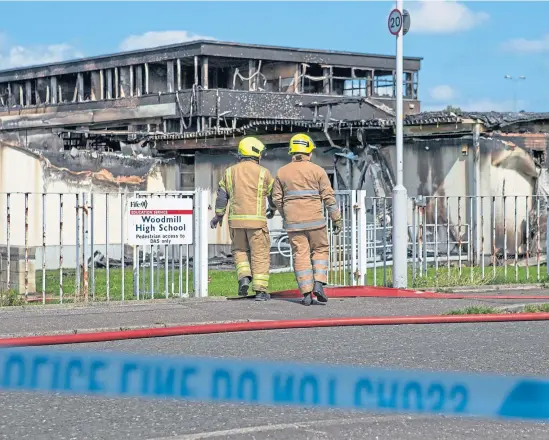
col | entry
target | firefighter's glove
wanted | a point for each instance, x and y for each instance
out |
(217, 220)
(270, 212)
(338, 226)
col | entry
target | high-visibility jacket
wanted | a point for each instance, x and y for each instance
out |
(300, 188)
(246, 187)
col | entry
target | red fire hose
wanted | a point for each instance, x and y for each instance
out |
(264, 325)
(338, 292)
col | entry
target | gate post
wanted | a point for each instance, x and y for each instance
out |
(200, 257)
(354, 242)
(362, 238)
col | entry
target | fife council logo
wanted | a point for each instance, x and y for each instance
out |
(140, 204)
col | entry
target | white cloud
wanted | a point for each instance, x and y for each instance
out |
(161, 38)
(527, 46)
(19, 56)
(444, 17)
(442, 93)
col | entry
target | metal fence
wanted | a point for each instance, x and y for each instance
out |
(452, 240)
(71, 247)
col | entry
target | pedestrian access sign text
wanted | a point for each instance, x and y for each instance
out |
(160, 221)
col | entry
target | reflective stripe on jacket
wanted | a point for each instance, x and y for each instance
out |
(300, 188)
(245, 186)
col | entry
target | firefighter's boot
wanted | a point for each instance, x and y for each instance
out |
(262, 296)
(318, 291)
(243, 286)
(307, 299)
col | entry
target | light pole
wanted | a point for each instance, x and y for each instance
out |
(400, 196)
(515, 81)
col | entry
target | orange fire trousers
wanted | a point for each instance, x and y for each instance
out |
(251, 252)
(310, 253)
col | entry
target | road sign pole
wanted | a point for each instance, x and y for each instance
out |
(400, 197)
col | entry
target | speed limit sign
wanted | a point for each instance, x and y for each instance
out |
(395, 22)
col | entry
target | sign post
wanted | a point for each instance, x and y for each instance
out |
(400, 196)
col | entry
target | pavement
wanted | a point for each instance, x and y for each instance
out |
(505, 348)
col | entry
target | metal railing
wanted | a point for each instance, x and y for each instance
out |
(73, 247)
(456, 239)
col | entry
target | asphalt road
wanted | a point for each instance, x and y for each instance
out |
(507, 348)
(513, 348)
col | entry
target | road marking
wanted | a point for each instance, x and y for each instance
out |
(282, 426)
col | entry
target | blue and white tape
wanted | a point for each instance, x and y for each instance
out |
(273, 383)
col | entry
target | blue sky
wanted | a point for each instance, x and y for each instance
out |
(468, 47)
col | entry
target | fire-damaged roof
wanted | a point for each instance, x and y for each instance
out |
(210, 48)
(491, 120)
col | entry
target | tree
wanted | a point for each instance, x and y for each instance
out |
(451, 109)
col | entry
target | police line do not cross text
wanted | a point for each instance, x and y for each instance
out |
(273, 383)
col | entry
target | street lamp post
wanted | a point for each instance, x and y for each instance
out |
(400, 196)
(515, 85)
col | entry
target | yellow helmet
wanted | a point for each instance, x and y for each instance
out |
(250, 147)
(301, 143)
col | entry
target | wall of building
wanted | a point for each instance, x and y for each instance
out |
(440, 168)
(23, 172)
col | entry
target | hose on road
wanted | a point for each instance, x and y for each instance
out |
(335, 292)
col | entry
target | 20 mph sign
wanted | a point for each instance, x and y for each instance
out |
(395, 22)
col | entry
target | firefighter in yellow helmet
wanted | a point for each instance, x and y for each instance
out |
(247, 188)
(300, 188)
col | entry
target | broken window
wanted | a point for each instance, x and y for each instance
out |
(384, 84)
(87, 89)
(279, 77)
(409, 85)
(312, 79)
(219, 78)
(4, 94)
(348, 81)
(355, 87)
(67, 87)
(187, 76)
(173, 125)
(18, 94)
(41, 90)
(186, 173)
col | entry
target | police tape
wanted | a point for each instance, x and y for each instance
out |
(273, 383)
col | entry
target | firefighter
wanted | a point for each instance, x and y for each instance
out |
(300, 188)
(245, 187)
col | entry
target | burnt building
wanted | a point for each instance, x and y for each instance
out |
(170, 118)
(201, 96)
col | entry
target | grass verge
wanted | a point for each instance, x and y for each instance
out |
(473, 310)
(536, 308)
(483, 310)
(223, 283)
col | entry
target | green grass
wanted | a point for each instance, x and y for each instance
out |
(483, 310)
(11, 298)
(536, 308)
(473, 310)
(223, 283)
(473, 276)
